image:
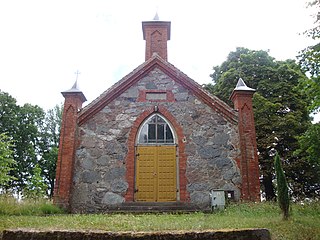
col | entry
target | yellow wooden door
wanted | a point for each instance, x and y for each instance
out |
(145, 174)
(156, 174)
(167, 181)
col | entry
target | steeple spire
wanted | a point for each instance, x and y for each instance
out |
(156, 17)
(242, 86)
(75, 91)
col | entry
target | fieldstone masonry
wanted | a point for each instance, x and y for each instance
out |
(100, 167)
(216, 146)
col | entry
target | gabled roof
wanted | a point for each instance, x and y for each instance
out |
(141, 71)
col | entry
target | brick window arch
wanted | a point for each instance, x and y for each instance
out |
(156, 130)
(180, 141)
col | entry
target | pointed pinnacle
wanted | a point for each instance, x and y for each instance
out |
(156, 17)
(242, 86)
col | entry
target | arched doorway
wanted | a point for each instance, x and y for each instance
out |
(156, 161)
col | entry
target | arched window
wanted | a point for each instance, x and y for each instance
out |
(156, 130)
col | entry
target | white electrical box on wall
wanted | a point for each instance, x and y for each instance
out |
(218, 199)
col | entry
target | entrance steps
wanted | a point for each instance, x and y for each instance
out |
(155, 207)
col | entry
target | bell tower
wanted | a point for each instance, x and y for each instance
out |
(156, 33)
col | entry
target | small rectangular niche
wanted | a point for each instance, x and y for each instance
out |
(156, 96)
(230, 196)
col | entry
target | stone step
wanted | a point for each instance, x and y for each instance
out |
(18, 234)
(154, 207)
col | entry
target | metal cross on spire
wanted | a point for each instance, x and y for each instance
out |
(77, 74)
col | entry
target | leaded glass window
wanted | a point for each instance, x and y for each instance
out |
(156, 130)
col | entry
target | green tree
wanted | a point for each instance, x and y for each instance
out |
(280, 110)
(282, 188)
(27, 139)
(36, 137)
(8, 115)
(7, 162)
(22, 125)
(36, 187)
(309, 60)
(9, 126)
(50, 135)
(310, 143)
(310, 151)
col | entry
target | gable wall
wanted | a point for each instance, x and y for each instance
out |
(102, 161)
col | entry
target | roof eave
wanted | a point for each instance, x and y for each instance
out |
(138, 73)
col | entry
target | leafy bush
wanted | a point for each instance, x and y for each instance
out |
(48, 208)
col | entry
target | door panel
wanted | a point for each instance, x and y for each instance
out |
(166, 173)
(146, 179)
(156, 173)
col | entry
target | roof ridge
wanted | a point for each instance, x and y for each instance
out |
(213, 97)
(118, 83)
(169, 69)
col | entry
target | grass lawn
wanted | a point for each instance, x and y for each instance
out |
(304, 222)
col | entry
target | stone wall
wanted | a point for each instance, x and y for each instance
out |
(211, 145)
(245, 234)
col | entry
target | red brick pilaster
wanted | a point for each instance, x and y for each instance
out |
(130, 159)
(68, 141)
(156, 34)
(248, 163)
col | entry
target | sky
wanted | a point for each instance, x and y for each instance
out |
(43, 43)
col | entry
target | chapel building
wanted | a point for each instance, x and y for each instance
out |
(155, 136)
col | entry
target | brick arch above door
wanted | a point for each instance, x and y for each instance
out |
(184, 196)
